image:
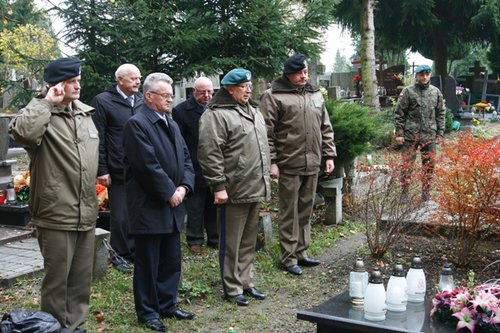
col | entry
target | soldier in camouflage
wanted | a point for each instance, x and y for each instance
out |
(419, 122)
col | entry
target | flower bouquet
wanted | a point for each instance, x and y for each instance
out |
(22, 186)
(477, 309)
(102, 196)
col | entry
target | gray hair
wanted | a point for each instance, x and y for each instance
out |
(124, 69)
(151, 81)
(201, 79)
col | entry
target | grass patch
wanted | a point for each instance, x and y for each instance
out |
(112, 303)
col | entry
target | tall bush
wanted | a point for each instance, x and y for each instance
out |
(355, 126)
(468, 177)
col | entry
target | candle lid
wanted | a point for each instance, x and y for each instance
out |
(446, 269)
(416, 263)
(359, 265)
(398, 269)
(376, 276)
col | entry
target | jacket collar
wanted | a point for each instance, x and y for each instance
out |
(224, 98)
(282, 84)
(152, 115)
(192, 104)
(117, 96)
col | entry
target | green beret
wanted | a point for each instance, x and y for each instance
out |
(423, 68)
(236, 76)
(62, 69)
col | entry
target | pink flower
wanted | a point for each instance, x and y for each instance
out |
(485, 300)
(465, 319)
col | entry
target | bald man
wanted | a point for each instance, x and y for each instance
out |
(113, 108)
(201, 211)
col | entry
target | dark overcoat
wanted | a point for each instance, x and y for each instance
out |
(156, 162)
(187, 115)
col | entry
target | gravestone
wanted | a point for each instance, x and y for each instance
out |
(450, 94)
(5, 164)
(390, 79)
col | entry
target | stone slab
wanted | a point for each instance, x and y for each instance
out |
(18, 259)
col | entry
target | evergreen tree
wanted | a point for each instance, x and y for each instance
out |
(341, 64)
(439, 30)
(186, 37)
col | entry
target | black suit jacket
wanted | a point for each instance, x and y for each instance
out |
(156, 162)
(187, 115)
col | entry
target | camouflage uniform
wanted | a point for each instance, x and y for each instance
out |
(419, 118)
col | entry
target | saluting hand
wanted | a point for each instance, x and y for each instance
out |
(55, 94)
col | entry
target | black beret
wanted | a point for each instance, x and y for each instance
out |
(62, 69)
(295, 63)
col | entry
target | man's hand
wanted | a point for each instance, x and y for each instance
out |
(400, 140)
(220, 197)
(104, 180)
(178, 197)
(329, 166)
(55, 94)
(275, 171)
(439, 139)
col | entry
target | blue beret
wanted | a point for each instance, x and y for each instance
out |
(295, 63)
(423, 68)
(62, 69)
(236, 76)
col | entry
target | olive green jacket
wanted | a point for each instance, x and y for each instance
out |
(63, 149)
(420, 113)
(298, 127)
(233, 151)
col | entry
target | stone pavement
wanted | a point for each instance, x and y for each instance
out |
(18, 257)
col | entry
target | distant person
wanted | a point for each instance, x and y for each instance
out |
(201, 211)
(234, 156)
(62, 142)
(113, 108)
(158, 176)
(300, 138)
(419, 122)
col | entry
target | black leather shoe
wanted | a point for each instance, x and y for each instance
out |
(294, 269)
(179, 314)
(239, 299)
(309, 262)
(122, 265)
(155, 325)
(254, 293)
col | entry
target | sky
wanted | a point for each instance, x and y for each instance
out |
(336, 39)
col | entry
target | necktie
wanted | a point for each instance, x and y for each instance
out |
(129, 100)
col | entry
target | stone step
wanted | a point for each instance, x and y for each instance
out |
(10, 234)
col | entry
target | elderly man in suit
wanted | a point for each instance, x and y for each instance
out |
(113, 108)
(158, 176)
(202, 213)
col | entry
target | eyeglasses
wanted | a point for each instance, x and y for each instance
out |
(204, 92)
(245, 86)
(164, 96)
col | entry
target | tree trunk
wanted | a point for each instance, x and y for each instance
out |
(441, 55)
(368, 74)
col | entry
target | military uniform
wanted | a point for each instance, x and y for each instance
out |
(233, 153)
(420, 118)
(62, 143)
(300, 136)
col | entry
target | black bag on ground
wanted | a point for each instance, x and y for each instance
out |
(24, 321)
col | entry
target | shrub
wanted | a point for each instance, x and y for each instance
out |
(469, 192)
(381, 205)
(355, 126)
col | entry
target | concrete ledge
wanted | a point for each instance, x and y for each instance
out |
(101, 254)
(331, 190)
(265, 234)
